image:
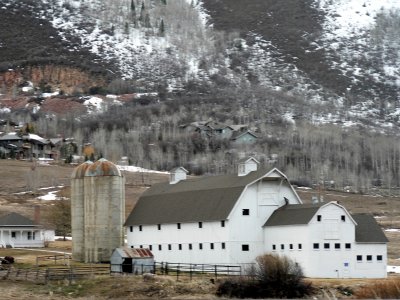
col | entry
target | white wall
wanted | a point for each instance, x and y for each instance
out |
(331, 262)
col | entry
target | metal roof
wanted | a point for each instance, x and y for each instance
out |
(79, 171)
(293, 214)
(14, 219)
(134, 252)
(368, 230)
(209, 198)
(103, 167)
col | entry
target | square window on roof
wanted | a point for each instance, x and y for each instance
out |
(246, 212)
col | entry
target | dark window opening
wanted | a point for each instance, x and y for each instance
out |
(222, 223)
(291, 246)
(150, 247)
(178, 225)
(319, 217)
(282, 247)
(180, 246)
(190, 247)
(245, 247)
(246, 212)
(326, 246)
(169, 247)
(379, 258)
(140, 228)
(201, 246)
(200, 224)
(369, 257)
(343, 218)
(300, 246)
(223, 245)
(141, 246)
(337, 245)
(273, 247)
(359, 257)
(159, 247)
(131, 228)
(13, 234)
(159, 226)
(315, 246)
(347, 246)
(212, 246)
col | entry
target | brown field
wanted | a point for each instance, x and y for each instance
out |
(17, 194)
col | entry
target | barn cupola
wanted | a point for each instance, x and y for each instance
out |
(177, 174)
(247, 165)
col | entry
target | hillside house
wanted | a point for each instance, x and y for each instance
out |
(19, 231)
(232, 219)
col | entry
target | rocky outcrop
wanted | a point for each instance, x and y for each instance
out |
(68, 79)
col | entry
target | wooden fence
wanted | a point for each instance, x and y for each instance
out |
(44, 275)
(64, 258)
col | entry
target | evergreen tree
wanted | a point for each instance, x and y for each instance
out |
(147, 23)
(164, 2)
(161, 29)
(142, 13)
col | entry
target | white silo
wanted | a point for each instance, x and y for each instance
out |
(104, 210)
(77, 210)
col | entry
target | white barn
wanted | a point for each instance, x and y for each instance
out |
(232, 219)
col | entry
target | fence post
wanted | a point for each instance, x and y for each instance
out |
(215, 271)
(177, 273)
(190, 271)
(166, 268)
(46, 276)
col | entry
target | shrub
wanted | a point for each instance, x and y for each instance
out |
(272, 276)
(388, 289)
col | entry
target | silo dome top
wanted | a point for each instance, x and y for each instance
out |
(103, 167)
(80, 170)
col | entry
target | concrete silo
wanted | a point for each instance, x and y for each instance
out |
(98, 216)
(77, 210)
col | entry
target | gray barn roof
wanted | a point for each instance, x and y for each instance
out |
(368, 230)
(293, 214)
(14, 219)
(209, 198)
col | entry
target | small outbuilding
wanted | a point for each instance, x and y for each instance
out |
(132, 260)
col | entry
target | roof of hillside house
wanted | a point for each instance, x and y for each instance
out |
(368, 230)
(238, 134)
(293, 214)
(12, 136)
(209, 198)
(14, 219)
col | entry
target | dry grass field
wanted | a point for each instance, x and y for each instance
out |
(21, 183)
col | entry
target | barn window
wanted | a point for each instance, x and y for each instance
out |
(379, 258)
(359, 258)
(212, 246)
(131, 228)
(222, 223)
(282, 247)
(245, 247)
(140, 228)
(223, 245)
(315, 246)
(178, 225)
(169, 247)
(159, 226)
(291, 246)
(369, 258)
(190, 247)
(246, 212)
(201, 246)
(131, 246)
(337, 245)
(319, 217)
(159, 247)
(299, 246)
(326, 245)
(150, 247)
(273, 247)
(13, 234)
(141, 246)
(180, 246)
(200, 224)
(343, 218)
(347, 246)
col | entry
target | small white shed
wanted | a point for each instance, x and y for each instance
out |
(132, 260)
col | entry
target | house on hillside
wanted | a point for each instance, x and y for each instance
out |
(232, 219)
(19, 231)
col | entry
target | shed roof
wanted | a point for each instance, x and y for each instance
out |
(15, 219)
(209, 198)
(134, 252)
(368, 230)
(293, 214)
